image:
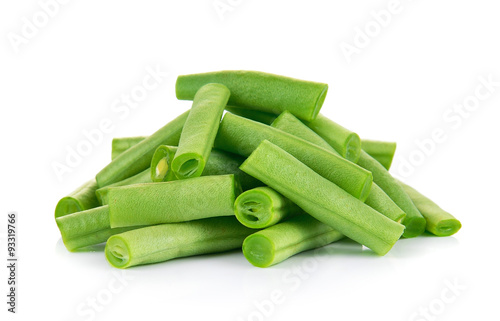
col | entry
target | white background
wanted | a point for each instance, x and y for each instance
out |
(399, 86)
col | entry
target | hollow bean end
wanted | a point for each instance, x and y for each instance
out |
(161, 164)
(67, 205)
(188, 165)
(117, 252)
(259, 250)
(366, 188)
(415, 226)
(353, 148)
(445, 227)
(255, 209)
(319, 103)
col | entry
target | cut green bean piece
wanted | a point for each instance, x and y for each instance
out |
(138, 157)
(119, 145)
(346, 142)
(439, 222)
(292, 125)
(321, 198)
(383, 152)
(263, 207)
(377, 199)
(83, 198)
(382, 203)
(171, 202)
(161, 164)
(414, 221)
(164, 242)
(142, 177)
(199, 131)
(277, 243)
(241, 136)
(223, 163)
(260, 91)
(90, 227)
(260, 116)
(219, 163)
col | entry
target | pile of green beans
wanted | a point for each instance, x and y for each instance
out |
(272, 177)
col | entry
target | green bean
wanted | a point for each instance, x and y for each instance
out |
(292, 125)
(241, 136)
(277, 243)
(346, 142)
(260, 116)
(381, 202)
(383, 152)
(161, 164)
(138, 157)
(164, 242)
(222, 163)
(90, 227)
(439, 222)
(199, 131)
(321, 198)
(414, 221)
(377, 199)
(142, 177)
(218, 163)
(83, 198)
(260, 91)
(263, 207)
(171, 202)
(119, 145)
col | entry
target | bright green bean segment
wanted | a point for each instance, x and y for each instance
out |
(260, 116)
(164, 242)
(171, 202)
(439, 222)
(142, 177)
(199, 131)
(321, 198)
(83, 198)
(260, 91)
(382, 203)
(345, 142)
(292, 125)
(414, 221)
(138, 157)
(161, 164)
(223, 163)
(383, 152)
(86, 228)
(241, 136)
(277, 243)
(119, 145)
(263, 207)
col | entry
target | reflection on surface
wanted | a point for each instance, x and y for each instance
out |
(339, 266)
